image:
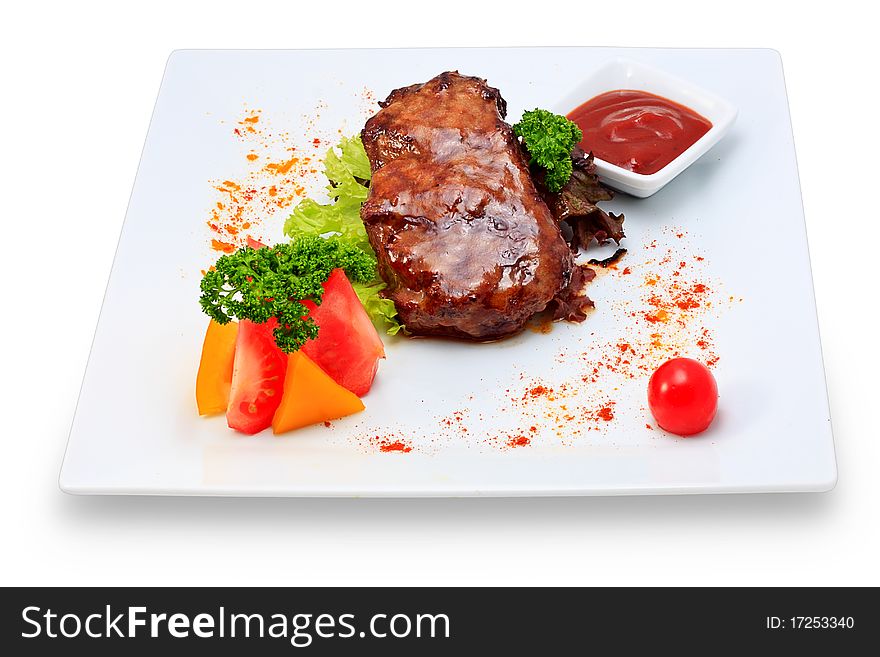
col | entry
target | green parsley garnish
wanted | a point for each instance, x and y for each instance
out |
(258, 284)
(549, 139)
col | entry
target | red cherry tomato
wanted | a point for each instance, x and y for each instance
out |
(683, 396)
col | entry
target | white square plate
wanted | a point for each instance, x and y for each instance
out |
(732, 223)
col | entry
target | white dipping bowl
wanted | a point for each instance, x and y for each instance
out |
(622, 73)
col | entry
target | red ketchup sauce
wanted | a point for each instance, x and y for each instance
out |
(636, 130)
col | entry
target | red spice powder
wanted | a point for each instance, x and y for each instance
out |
(667, 321)
(368, 102)
(396, 446)
(245, 203)
(659, 316)
(384, 442)
(605, 413)
(453, 427)
(225, 247)
(281, 168)
(674, 295)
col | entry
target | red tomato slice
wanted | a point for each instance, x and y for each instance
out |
(257, 378)
(348, 347)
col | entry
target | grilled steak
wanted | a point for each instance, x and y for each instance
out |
(465, 242)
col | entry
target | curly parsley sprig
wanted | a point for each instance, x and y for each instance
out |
(259, 284)
(549, 139)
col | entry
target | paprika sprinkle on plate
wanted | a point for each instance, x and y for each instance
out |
(278, 173)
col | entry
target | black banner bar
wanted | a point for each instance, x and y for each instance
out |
(542, 621)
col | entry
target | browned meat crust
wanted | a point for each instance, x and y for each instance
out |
(465, 242)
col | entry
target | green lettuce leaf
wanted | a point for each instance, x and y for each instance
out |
(352, 162)
(341, 218)
(381, 310)
(347, 171)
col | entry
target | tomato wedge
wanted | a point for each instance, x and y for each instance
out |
(348, 348)
(257, 378)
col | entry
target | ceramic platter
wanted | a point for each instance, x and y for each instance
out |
(557, 410)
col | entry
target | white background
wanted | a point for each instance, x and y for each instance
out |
(78, 85)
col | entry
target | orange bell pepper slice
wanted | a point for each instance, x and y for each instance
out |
(215, 369)
(311, 396)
